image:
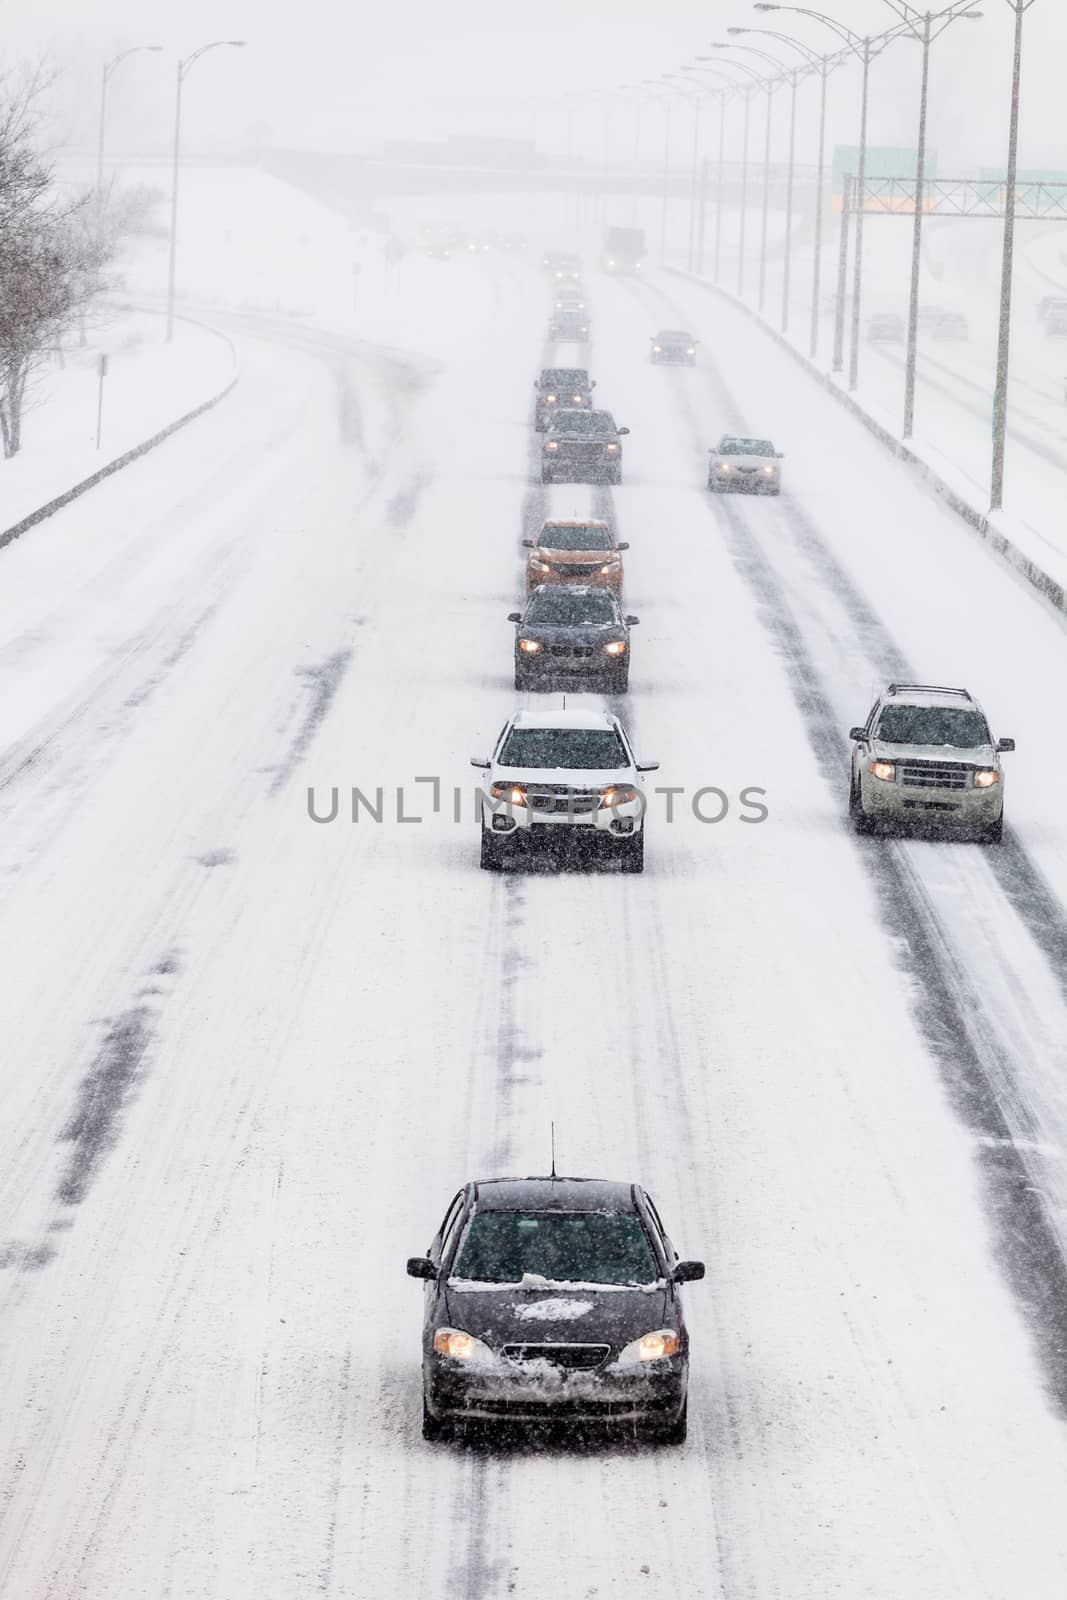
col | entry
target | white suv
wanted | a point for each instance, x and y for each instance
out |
(926, 755)
(563, 769)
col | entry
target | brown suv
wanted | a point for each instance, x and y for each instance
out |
(575, 552)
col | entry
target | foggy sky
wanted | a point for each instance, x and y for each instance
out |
(339, 76)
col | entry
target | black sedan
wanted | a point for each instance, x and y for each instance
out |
(560, 388)
(574, 633)
(675, 346)
(582, 447)
(554, 1299)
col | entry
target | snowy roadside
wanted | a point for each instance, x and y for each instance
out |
(1042, 565)
(149, 387)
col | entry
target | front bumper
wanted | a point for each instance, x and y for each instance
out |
(743, 483)
(506, 821)
(594, 579)
(597, 469)
(592, 669)
(967, 809)
(612, 1394)
(676, 358)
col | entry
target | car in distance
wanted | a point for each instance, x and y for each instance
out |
(744, 466)
(561, 388)
(572, 634)
(575, 552)
(885, 327)
(562, 267)
(559, 777)
(926, 756)
(582, 447)
(569, 323)
(554, 1300)
(672, 345)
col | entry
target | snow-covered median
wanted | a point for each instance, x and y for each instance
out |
(149, 385)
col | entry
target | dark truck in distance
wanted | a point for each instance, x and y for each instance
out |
(582, 447)
(624, 250)
(560, 388)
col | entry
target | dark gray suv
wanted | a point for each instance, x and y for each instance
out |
(574, 633)
(554, 1300)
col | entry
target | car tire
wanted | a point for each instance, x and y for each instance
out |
(631, 853)
(994, 834)
(674, 1432)
(861, 822)
(491, 858)
(433, 1430)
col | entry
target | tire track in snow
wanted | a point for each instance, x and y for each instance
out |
(963, 1040)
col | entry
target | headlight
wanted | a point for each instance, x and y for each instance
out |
(612, 448)
(609, 566)
(986, 778)
(618, 796)
(651, 1347)
(508, 792)
(529, 646)
(577, 399)
(690, 352)
(768, 472)
(884, 770)
(616, 648)
(658, 348)
(539, 566)
(611, 263)
(724, 466)
(551, 399)
(460, 1346)
(551, 445)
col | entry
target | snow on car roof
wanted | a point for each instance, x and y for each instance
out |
(584, 718)
(554, 1194)
(575, 522)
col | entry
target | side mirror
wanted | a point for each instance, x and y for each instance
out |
(593, 384)
(622, 430)
(1004, 745)
(631, 622)
(623, 546)
(514, 616)
(687, 1272)
(648, 766)
(480, 761)
(421, 1267)
(528, 544)
(780, 455)
(859, 734)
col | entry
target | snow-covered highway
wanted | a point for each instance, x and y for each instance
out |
(248, 1057)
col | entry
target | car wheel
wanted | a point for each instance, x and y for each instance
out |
(432, 1429)
(860, 820)
(492, 854)
(994, 834)
(673, 1432)
(631, 853)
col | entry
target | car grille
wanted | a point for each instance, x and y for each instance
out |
(581, 570)
(575, 1357)
(934, 775)
(559, 801)
(586, 450)
(570, 651)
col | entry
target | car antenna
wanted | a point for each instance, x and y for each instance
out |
(552, 1126)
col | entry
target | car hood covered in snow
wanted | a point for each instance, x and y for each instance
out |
(553, 1313)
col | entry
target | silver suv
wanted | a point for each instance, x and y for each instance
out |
(925, 755)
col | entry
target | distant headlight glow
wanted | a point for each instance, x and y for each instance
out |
(551, 444)
(612, 448)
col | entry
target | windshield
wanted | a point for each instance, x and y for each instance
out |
(565, 378)
(597, 422)
(562, 1246)
(571, 607)
(674, 336)
(575, 749)
(943, 725)
(575, 536)
(746, 447)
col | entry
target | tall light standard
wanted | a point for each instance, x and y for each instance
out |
(770, 84)
(756, 82)
(1000, 393)
(689, 91)
(865, 49)
(822, 63)
(105, 78)
(726, 84)
(184, 67)
(926, 28)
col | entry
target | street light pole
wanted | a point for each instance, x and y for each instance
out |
(789, 200)
(861, 178)
(842, 274)
(820, 200)
(720, 183)
(744, 200)
(184, 67)
(105, 78)
(1000, 394)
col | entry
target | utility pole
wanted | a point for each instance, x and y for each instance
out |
(1000, 397)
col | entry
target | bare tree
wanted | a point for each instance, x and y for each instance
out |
(53, 252)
